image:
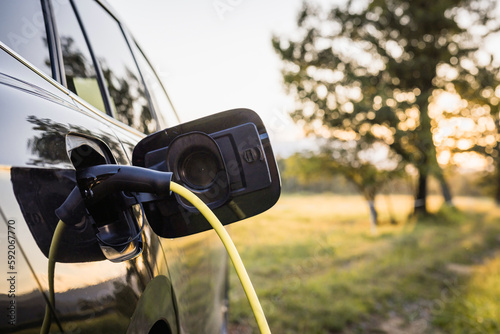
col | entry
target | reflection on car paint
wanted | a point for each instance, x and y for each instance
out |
(36, 174)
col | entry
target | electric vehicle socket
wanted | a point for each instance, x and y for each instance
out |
(226, 159)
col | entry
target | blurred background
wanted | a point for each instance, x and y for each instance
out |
(384, 116)
(218, 55)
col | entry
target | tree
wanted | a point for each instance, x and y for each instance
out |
(350, 161)
(353, 161)
(472, 89)
(368, 72)
(479, 87)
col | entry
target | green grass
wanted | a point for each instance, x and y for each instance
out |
(317, 268)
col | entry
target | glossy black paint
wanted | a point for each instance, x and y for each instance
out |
(177, 285)
(38, 199)
(37, 174)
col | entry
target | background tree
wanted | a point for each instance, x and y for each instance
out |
(369, 71)
(478, 86)
(302, 172)
(471, 113)
(350, 161)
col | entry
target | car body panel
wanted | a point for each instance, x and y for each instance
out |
(35, 161)
(92, 295)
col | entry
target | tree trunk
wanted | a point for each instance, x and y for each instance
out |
(390, 210)
(497, 191)
(497, 163)
(445, 190)
(373, 216)
(420, 207)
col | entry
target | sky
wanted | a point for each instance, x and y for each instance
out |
(215, 55)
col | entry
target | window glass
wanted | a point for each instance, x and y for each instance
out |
(22, 28)
(161, 102)
(126, 89)
(79, 68)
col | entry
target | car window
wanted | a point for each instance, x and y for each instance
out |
(79, 68)
(22, 28)
(128, 96)
(161, 103)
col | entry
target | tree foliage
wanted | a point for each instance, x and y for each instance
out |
(366, 73)
(473, 121)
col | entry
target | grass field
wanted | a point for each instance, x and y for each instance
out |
(318, 268)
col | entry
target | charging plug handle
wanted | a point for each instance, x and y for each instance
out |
(102, 180)
(72, 211)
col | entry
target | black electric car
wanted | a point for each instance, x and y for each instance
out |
(78, 99)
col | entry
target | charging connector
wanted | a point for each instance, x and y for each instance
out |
(109, 192)
(103, 180)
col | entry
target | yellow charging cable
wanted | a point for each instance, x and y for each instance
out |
(219, 229)
(231, 250)
(52, 267)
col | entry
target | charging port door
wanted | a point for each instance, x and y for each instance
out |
(226, 159)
